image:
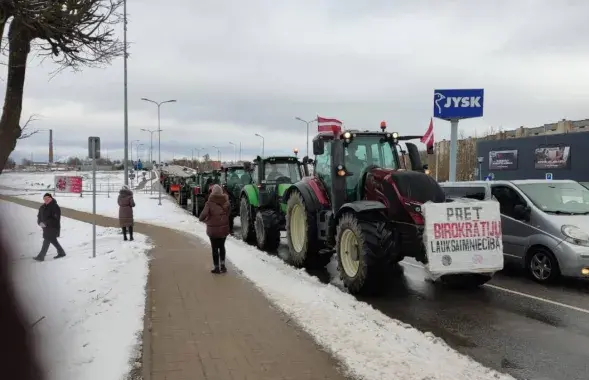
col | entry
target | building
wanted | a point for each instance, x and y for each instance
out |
(560, 127)
(556, 150)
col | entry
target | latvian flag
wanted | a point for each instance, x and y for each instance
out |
(428, 137)
(328, 125)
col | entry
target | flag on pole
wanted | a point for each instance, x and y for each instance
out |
(428, 137)
(328, 125)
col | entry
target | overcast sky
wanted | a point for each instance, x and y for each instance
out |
(243, 67)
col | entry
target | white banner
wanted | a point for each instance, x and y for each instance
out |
(463, 237)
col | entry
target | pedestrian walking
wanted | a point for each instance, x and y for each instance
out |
(126, 204)
(216, 216)
(49, 219)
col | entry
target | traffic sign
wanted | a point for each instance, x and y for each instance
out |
(549, 176)
(93, 147)
(458, 104)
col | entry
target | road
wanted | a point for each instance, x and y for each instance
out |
(513, 325)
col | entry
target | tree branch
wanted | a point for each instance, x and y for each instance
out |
(24, 133)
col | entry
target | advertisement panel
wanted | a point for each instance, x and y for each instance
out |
(463, 238)
(68, 184)
(552, 157)
(505, 159)
(458, 103)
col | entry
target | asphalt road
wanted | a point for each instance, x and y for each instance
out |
(511, 324)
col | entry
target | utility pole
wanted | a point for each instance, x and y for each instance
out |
(125, 56)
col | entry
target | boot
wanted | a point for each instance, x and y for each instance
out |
(125, 233)
(59, 256)
(223, 267)
(131, 233)
(37, 258)
(215, 270)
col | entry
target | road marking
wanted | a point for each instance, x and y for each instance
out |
(548, 301)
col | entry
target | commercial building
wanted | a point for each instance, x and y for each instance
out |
(557, 150)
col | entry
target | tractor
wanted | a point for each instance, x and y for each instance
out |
(262, 207)
(362, 204)
(185, 190)
(200, 192)
(233, 178)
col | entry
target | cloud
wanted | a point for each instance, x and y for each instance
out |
(240, 68)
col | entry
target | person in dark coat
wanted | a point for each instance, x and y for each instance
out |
(216, 216)
(126, 204)
(49, 219)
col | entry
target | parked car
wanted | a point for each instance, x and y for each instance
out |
(545, 224)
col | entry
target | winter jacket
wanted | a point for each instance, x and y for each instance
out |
(126, 204)
(216, 215)
(50, 215)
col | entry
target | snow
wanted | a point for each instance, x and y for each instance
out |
(78, 297)
(370, 345)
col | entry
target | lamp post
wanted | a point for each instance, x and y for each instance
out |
(234, 151)
(159, 135)
(137, 151)
(218, 153)
(126, 111)
(306, 122)
(262, 137)
(150, 151)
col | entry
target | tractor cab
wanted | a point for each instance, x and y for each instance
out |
(201, 190)
(234, 177)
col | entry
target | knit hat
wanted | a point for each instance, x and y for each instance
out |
(217, 190)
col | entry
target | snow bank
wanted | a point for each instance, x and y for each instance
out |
(371, 345)
(91, 308)
(45, 180)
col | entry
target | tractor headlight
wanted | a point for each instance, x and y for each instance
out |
(347, 135)
(395, 135)
(341, 171)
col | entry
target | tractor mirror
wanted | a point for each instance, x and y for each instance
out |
(258, 158)
(318, 147)
(414, 157)
(307, 160)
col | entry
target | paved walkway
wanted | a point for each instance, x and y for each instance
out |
(201, 326)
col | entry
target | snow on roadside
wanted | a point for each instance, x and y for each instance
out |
(371, 345)
(45, 180)
(93, 308)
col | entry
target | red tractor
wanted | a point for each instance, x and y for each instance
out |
(362, 204)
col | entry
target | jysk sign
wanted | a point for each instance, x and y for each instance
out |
(458, 104)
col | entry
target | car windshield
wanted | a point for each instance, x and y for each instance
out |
(288, 171)
(558, 197)
(369, 150)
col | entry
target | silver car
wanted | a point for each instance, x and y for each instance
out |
(545, 226)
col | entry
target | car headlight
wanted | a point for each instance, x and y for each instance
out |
(575, 235)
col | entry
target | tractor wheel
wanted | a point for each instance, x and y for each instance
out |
(246, 215)
(267, 228)
(356, 241)
(301, 234)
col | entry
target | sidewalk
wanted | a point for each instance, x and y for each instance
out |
(201, 326)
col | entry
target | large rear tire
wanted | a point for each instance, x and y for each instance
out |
(356, 243)
(301, 234)
(267, 230)
(246, 213)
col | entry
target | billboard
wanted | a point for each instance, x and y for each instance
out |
(68, 184)
(458, 104)
(503, 159)
(552, 157)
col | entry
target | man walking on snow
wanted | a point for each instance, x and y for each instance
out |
(49, 219)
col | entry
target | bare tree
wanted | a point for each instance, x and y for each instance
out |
(74, 33)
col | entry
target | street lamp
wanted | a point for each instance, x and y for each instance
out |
(218, 153)
(234, 151)
(134, 141)
(306, 122)
(159, 135)
(151, 131)
(262, 137)
(137, 153)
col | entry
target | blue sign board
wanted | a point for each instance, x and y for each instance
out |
(548, 176)
(458, 104)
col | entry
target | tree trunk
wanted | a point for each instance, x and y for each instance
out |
(19, 44)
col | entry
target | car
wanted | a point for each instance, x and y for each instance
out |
(545, 223)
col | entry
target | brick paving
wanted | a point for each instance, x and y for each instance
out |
(201, 326)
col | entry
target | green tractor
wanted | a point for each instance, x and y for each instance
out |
(202, 189)
(262, 208)
(233, 178)
(185, 190)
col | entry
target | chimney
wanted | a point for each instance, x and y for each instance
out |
(51, 146)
